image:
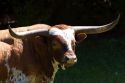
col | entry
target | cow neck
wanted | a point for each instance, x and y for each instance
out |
(43, 54)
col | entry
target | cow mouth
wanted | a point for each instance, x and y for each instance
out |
(67, 63)
(64, 66)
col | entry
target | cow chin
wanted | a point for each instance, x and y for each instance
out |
(66, 65)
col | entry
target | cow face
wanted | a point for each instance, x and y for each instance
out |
(63, 45)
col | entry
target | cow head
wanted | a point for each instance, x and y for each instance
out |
(64, 39)
(63, 44)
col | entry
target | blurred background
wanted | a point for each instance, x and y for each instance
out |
(101, 57)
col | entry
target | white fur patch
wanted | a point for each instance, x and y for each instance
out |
(67, 34)
(55, 67)
(17, 76)
(14, 75)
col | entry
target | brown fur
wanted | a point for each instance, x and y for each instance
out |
(27, 55)
(33, 56)
(62, 26)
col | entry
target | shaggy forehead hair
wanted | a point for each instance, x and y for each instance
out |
(66, 33)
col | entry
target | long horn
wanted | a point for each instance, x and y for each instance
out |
(27, 34)
(96, 29)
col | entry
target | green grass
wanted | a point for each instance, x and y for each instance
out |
(99, 61)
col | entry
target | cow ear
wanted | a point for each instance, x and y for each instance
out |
(80, 37)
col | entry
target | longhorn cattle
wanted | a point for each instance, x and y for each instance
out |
(33, 54)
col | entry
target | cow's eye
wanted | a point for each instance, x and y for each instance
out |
(65, 48)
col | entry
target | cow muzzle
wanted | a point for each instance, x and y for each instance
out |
(69, 60)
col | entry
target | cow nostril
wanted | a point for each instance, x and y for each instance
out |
(75, 59)
(66, 58)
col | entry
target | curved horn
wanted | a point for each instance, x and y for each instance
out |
(26, 34)
(96, 29)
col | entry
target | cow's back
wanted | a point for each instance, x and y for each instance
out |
(7, 38)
